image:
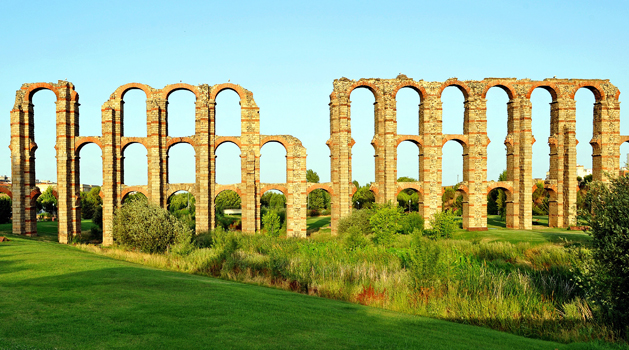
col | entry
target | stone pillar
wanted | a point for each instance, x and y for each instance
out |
(525, 175)
(606, 152)
(430, 158)
(475, 164)
(250, 155)
(513, 164)
(157, 152)
(211, 104)
(20, 164)
(203, 130)
(297, 191)
(340, 144)
(389, 148)
(112, 172)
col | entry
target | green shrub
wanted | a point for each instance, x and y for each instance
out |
(203, 239)
(5, 209)
(146, 227)
(411, 222)
(271, 223)
(355, 239)
(96, 233)
(358, 219)
(97, 216)
(385, 223)
(442, 225)
(609, 224)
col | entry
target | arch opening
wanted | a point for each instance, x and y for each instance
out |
(363, 198)
(452, 169)
(227, 113)
(45, 136)
(228, 210)
(228, 164)
(181, 113)
(407, 103)
(134, 113)
(408, 199)
(273, 163)
(363, 127)
(135, 165)
(624, 158)
(273, 202)
(181, 164)
(542, 202)
(497, 119)
(585, 109)
(541, 100)
(181, 205)
(453, 110)
(408, 160)
(134, 196)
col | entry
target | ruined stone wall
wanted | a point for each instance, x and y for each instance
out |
(157, 143)
(429, 139)
(562, 183)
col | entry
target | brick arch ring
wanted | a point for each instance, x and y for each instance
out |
(5, 190)
(224, 188)
(322, 187)
(177, 140)
(461, 139)
(275, 187)
(401, 186)
(139, 189)
(85, 140)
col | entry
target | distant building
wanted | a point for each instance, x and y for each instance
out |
(4, 178)
(582, 172)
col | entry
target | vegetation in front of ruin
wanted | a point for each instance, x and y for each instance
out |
(5, 208)
(63, 298)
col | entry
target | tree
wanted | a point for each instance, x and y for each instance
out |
(317, 199)
(540, 200)
(312, 176)
(5, 209)
(273, 200)
(363, 198)
(609, 224)
(227, 200)
(90, 201)
(497, 199)
(47, 201)
(385, 223)
(406, 179)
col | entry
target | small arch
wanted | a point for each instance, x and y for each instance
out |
(217, 89)
(181, 112)
(132, 164)
(90, 164)
(401, 186)
(416, 139)
(460, 139)
(228, 161)
(128, 141)
(224, 200)
(507, 88)
(595, 88)
(275, 138)
(169, 89)
(585, 117)
(133, 194)
(541, 124)
(364, 197)
(502, 185)
(453, 101)
(407, 159)
(324, 187)
(223, 188)
(551, 88)
(172, 141)
(407, 111)
(274, 187)
(31, 89)
(465, 90)
(5, 189)
(366, 85)
(82, 141)
(413, 85)
(222, 139)
(44, 133)
(365, 127)
(131, 190)
(122, 90)
(409, 199)
(182, 205)
(452, 169)
(497, 107)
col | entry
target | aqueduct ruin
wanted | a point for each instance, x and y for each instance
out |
(562, 183)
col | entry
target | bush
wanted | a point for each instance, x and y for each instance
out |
(355, 239)
(5, 209)
(385, 223)
(96, 233)
(271, 223)
(411, 222)
(442, 225)
(609, 224)
(358, 219)
(97, 217)
(146, 227)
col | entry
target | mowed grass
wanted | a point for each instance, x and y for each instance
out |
(56, 296)
(46, 230)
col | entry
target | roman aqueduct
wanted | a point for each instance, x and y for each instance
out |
(562, 184)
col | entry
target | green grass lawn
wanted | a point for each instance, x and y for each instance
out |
(46, 230)
(56, 296)
(319, 224)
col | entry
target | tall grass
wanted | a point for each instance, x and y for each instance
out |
(518, 288)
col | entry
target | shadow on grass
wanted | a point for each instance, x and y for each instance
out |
(125, 306)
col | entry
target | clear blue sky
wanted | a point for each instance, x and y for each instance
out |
(288, 54)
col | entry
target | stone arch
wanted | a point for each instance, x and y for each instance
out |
(82, 141)
(223, 188)
(127, 141)
(34, 88)
(324, 187)
(5, 189)
(169, 89)
(130, 189)
(177, 140)
(460, 139)
(550, 87)
(411, 85)
(501, 185)
(276, 138)
(122, 90)
(377, 94)
(276, 187)
(223, 139)
(465, 90)
(401, 186)
(416, 139)
(597, 91)
(508, 88)
(217, 89)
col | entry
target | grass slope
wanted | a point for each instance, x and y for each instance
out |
(56, 296)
